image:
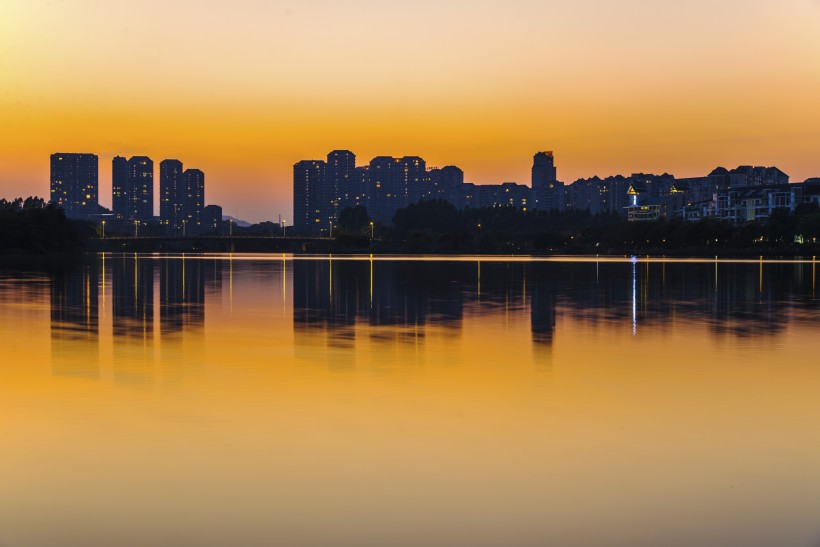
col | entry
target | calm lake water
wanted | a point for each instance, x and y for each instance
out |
(245, 400)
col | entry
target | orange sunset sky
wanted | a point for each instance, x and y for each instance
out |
(244, 89)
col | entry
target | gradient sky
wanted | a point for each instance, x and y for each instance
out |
(244, 89)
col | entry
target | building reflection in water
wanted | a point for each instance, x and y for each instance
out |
(542, 307)
(339, 302)
(183, 284)
(132, 289)
(182, 294)
(75, 321)
(390, 302)
(142, 291)
(398, 300)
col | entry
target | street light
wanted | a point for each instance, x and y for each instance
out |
(184, 222)
(331, 227)
(136, 228)
(230, 227)
(284, 225)
(372, 227)
(103, 229)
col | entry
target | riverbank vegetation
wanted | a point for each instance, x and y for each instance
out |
(31, 226)
(437, 226)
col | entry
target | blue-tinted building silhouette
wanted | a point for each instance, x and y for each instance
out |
(549, 192)
(322, 189)
(120, 186)
(170, 193)
(193, 199)
(308, 191)
(340, 188)
(74, 184)
(141, 188)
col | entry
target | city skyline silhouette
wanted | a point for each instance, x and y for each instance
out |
(612, 87)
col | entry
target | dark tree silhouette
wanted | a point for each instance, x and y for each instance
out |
(32, 226)
(354, 220)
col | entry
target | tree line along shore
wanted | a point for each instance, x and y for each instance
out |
(32, 226)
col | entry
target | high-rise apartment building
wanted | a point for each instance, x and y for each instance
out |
(340, 184)
(120, 187)
(74, 184)
(321, 190)
(308, 179)
(192, 199)
(441, 183)
(170, 193)
(413, 173)
(141, 188)
(548, 191)
(212, 219)
(385, 192)
(360, 186)
(394, 183)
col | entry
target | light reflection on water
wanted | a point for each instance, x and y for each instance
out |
(212, 400)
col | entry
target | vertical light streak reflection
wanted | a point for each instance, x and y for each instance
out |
(663, 275)
(371, 281)
(634, 296)
(87, 274)
(507, 309)
(136, 280)
(183, 277)
(102, 285)
(478, 263)
(645, 286)
(284, 285)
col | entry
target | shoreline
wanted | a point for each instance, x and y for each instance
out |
(53, 258)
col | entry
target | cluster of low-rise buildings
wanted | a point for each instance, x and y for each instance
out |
(743, 194)
(74, 186)
(323, 188)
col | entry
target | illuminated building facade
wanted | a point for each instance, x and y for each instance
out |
(170, 193)
(192, 200)
(120, 186)
(74, 184)
(322, 189)
(141, 188)
(212, 219)
(308, 178)
(340, 188)
(549, 192)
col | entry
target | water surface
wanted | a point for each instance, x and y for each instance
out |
(219, 400)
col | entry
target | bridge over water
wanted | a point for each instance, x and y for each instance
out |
(212, 243)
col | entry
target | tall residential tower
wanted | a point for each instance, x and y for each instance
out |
(74, 184)
(308, 179)
(141, 188)
(339, 188)
(170, 193)
(192, 200)
(549, 193)
(120, 187)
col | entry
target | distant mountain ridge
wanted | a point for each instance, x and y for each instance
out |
(237, 221)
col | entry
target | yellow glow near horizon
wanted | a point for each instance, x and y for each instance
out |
(243, 90)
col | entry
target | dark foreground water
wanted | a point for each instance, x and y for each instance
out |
(218, 400)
